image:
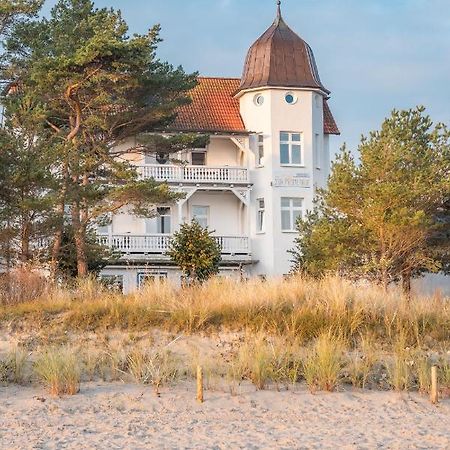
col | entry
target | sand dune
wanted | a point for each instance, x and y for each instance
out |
(122, 416)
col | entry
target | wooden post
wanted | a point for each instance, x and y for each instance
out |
(199, 384)
(434, 385)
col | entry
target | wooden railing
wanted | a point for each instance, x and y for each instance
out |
(160, 243)
(194, 174)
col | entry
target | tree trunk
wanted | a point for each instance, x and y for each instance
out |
(406, 283)
(80, 241)
(25, 242)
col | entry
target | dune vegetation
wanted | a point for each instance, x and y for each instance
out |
(327, 333)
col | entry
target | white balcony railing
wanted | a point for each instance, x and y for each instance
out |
(194, 174)
(160, 243)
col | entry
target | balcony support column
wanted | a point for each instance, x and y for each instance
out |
(181, 203)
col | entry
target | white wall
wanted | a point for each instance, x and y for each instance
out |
(224, 211)
(222, 151)
(274, 116)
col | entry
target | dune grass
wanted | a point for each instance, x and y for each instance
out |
(298, 308)
(328, 333)
(58, 368)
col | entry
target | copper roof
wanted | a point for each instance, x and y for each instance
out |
(280, 58)
(214, 109)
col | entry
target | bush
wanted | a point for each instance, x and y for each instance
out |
(21, 285)
(196, 252)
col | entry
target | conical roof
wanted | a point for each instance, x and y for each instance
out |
(280, 58)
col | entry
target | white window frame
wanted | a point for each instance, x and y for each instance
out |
(205, 216)
(261, 216)
(292, 209)
(160, 216)
(290, 142)
(260, 155)
(141, 276)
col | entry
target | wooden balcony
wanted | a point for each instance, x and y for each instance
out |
(194, 174)
(128, 244)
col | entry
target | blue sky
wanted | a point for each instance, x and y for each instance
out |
(374, 55)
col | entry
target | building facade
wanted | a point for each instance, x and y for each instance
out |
(268, 153)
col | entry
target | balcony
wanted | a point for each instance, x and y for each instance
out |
(128, 244)
(194, 174)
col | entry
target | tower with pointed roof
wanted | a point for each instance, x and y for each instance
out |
(284, 102)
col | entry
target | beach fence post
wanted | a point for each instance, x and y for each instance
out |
(434, 385)
(199, 384)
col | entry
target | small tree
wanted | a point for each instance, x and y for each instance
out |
(196, 252)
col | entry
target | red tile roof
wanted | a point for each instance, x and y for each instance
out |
(214, 109)
(329, 124)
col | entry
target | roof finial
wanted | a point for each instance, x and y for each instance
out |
(278, 11)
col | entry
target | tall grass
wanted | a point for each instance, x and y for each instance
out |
(59, 370)
(298, 308)
(12, 366)
(324, 362)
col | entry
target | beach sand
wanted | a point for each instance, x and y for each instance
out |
(125, 416)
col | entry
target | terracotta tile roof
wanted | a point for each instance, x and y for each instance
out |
(214, 109)
(329, 124)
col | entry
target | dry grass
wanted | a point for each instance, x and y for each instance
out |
(324, 362)
(297, 308)
(325, 332)
(12, 367)
(59, 370)
(152, 367)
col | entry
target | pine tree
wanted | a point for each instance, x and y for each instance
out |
(196, 252)
(99, 88)
(379, 219)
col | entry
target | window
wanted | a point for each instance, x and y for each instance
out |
(103, 229)
(290, 98)
(260, 227)
(112, 282)
(164, 220)
(258, 99)
(291, 210)
(291, 149)
(201, 215)
(260, 159)
(318, 100)
(317, 151)
(162, 158)
(198, 158)
(143, 278)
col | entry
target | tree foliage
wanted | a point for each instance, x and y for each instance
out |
(12, 11)
(383, 219)
(196, 252)
(97, 89)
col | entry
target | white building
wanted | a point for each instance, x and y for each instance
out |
(268, 152)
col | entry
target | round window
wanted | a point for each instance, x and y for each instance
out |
(258, 99)
(290, 98)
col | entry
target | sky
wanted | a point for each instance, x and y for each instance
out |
(374, 55)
